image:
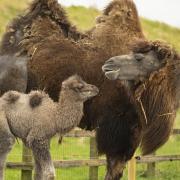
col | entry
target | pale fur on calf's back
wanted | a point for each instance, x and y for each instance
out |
(25, 120)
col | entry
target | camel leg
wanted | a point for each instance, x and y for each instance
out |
(6, 143)
(44, 168)
(115, 168)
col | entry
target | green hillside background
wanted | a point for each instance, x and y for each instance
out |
(84, 19)
(73, 148)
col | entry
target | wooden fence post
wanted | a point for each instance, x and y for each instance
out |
(151, 169)
(132, 169)
(93, 171)
(26, 157)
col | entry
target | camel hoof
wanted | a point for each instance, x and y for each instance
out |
(50, 176)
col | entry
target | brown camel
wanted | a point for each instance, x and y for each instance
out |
(158, 95)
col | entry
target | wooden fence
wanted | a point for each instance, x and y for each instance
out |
(26, 166)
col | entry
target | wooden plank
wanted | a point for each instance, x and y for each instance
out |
(26, 174)
(132, 169)
(151, 159)
(151, 168)
(93, 170)
(19, 165)
(80, 133)
(176, 132)
(59, 164)
(83, 133)
(92, 162)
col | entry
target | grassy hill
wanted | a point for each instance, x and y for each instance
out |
(84, 19)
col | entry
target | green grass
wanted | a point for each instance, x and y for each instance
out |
(78, 148)
(155, 30)
(73, 148)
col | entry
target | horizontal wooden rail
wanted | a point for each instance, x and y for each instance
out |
(80, 133)
(151, 159)
(83, 133)
(59, 164)
(176, 132)
(92, 162)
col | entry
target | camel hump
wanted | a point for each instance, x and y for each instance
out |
(36, 98)
(45, 6)
(116, 5)
(11, 96)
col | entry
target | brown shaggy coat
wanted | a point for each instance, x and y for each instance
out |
(48, 14)
(160, 96)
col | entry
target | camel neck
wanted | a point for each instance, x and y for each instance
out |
(69, 113)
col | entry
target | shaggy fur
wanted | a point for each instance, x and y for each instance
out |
(54, 57)
(46, 14)
(119, 26)
(35, 100)
(38, 125)
(13, 74)
(160, 96)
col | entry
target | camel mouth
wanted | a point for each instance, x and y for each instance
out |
(91, 90)
(108, 68)
(112, 75)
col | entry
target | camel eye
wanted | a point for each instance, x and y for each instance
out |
(78, 87)
(139, 57)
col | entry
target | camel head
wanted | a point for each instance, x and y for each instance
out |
(145, 58)
(78, 88)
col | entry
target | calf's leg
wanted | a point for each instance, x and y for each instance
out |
(6, 141)
(44, 168)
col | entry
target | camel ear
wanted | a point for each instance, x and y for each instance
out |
(63, 85)
(164, 53)
(163, 50)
